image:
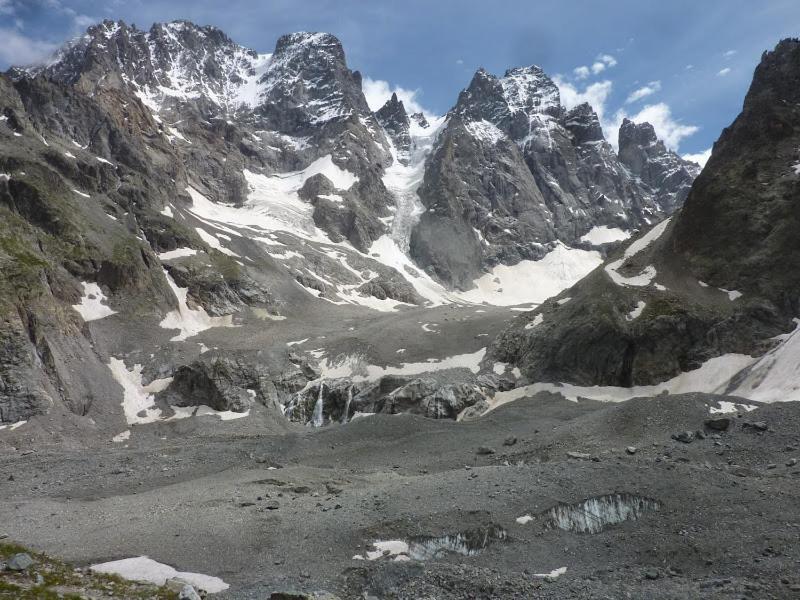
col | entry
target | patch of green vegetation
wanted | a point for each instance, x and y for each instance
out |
(62, 581)
(226, 266)
(663, 307)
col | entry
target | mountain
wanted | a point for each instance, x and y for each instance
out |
(661, 169)
(513, 172)
(375, 354)
(705, 291)
(174, 182)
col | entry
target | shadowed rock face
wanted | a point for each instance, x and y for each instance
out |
(739, 226)
(725, 267)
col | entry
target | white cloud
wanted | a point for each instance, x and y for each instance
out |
(378, 91)
(581, 72)
(603, 62)
(7, 7)
(598, 67)
(83, 21)
(668, 129)
(607, 59)
(460, 61)
(729, 53)
(596, 94)
(723, 72)
(643, 92)
(19, 50)
(700, 158)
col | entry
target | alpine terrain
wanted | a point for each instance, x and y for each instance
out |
(261, 340)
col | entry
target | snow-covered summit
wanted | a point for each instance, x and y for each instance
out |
(171, 62)
(306, 80)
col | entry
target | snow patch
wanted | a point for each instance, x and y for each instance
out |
(142, 568)
(93, 303)
(524, 519)
(533, 281)
(137, 399)
(122, 437)
(355, 368)
(636, 312)
(189, 322)
(602, 234)
(177, 253)
(648, 273)
(485, 131)
(726, 407)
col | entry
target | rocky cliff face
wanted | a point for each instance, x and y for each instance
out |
(718, 278)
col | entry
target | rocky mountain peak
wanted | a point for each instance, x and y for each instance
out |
(664, 171)
(420, 120)
(633, 134)
(169, 65)
(530, 90)
(516, 103)
(308, 83)
(738, 227)
(583, 123)
(777, 77)
(393, 118)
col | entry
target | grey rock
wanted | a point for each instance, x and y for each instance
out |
(718, 423)
(755, 425)
(579, 455)
(188, 593)
(485, 450)
(20, 562)
(687, 437)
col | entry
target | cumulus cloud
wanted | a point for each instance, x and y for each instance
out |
(581, 72)
(596, 94)
(643, 92)
(668, 129)
(724, 72)
(700, 158)
(607, 59)
(20, 50)
(378, 91)
(601, 63)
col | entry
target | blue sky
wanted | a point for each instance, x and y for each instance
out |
(685, 65)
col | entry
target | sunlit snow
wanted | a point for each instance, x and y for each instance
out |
(93, 303)
(142, 568)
